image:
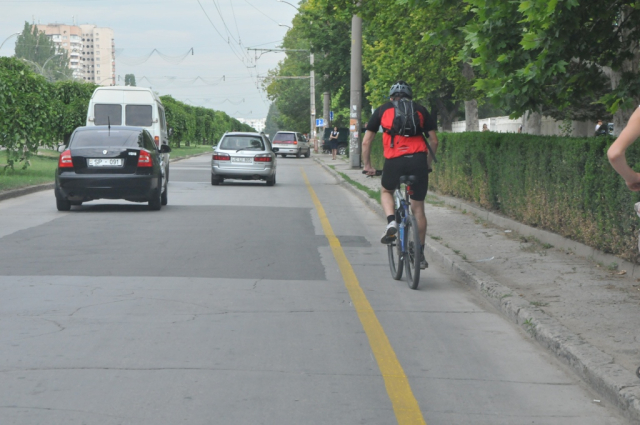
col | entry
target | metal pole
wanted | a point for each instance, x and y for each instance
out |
(8, 39)
(312, 131)
(326, 109)
(356, 92)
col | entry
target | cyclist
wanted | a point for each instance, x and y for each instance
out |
(403, 156)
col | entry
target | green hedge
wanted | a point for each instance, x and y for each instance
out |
(564, 185)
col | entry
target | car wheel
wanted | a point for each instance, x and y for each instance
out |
(215, 180)
(308, 154)
(63, 204)
(155, 203)
(342, 150)
(298, 154)
(164, 198)
(283, 155)
(271, 181)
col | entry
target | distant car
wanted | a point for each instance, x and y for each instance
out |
(244, 156)
(115, 162)
(291, 143)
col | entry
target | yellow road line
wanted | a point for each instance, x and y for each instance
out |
(404, 402)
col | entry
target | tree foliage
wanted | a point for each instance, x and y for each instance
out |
(130, 80)
(36, 113)
(39, 51)
(26, 111)
(562, 58)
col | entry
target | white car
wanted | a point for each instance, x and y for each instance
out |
(291, 143)
(243, 156)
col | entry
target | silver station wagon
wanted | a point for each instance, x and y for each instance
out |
(243, 156)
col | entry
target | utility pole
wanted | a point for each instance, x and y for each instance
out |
(312, 133)
(355, 110)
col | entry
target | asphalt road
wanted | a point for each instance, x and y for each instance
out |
(229, 306)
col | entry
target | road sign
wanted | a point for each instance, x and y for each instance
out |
(331, 116)
(319, 122)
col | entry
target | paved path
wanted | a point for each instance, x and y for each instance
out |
(597, 303)
(236, 304)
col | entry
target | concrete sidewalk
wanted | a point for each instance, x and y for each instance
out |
(580, 304)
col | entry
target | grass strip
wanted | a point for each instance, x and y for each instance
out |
(43, 167)
(373, 194)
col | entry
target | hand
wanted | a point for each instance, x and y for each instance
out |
(634, 184)
(370, 171)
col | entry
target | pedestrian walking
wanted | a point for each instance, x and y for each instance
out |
(333, 141)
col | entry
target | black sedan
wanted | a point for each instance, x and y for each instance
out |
(114, 162)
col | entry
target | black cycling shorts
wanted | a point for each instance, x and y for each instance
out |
(416, 165)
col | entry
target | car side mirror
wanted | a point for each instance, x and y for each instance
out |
(61, 148)
(165, 148)
(275, 150)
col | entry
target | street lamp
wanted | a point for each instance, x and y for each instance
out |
(282, 1)
(5, 40)
(283, 25)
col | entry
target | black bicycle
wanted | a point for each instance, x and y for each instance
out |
(404, 250)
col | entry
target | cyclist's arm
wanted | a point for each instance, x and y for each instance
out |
(616, 152)
(433, 142)
(366, 151)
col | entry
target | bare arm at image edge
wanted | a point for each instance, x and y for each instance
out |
(616, 153)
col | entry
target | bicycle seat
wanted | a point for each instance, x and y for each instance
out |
(408, 179)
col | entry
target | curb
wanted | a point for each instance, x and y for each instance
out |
(14, 193)
(614, 383)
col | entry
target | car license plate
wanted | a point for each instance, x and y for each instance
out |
(105, 162)
(241, 159)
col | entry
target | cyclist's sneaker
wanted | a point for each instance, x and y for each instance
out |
(389, 234)
(423, 262)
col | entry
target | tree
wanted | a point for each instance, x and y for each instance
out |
(26, 111)
(71, 102)
(130, 80)
(39, 51)
(271, 124)
(570, 60)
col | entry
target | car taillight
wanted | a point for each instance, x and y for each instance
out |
(144, 160)
(263, 157)
(157, 140)
(221, 157)
(65, 160)
(295, 142)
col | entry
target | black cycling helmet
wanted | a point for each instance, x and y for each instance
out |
(400, 89)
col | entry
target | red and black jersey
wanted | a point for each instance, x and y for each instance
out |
(384, 115)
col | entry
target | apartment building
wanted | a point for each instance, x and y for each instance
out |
(91, 51)
(258, 124)
(99, 55)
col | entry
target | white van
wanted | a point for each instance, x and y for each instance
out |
(131, 106)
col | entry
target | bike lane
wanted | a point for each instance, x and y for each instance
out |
(463, 362)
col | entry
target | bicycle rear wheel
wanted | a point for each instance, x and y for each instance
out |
(412, 260)
(396, 261)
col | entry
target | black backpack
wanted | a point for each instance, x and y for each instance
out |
(406, 121)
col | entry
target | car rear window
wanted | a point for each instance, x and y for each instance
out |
(117, 138)
(284, 137)
(138, 115)
(242, 142)
(105, 113)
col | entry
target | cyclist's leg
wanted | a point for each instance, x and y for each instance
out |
(390, 179)
(417, 208)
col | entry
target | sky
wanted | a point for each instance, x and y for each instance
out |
(229, 74)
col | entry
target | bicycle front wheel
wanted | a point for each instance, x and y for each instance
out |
(412, 260)
(395, 259)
